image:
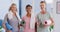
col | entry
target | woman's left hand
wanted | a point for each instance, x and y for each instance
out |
(52, 24)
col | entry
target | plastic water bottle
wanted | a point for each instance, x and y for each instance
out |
(0, 28)
(21, 29)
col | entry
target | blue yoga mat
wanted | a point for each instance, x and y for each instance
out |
(0, 22)
(9, 27)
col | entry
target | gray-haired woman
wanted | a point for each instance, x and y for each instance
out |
(43, 19)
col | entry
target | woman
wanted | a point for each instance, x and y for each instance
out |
(43, 18)
(12, 17)
(27, 18)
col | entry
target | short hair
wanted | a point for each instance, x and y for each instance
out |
(43, 2)
(28, 6)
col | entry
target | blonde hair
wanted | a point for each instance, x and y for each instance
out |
(11, 6)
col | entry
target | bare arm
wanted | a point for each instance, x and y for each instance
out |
(4, 22)
(52, 22)
(37, 22)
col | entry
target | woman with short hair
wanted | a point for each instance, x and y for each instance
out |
(43, 19)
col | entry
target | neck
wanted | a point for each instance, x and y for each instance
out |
(14, 13)
(43, 11)
(28, 15)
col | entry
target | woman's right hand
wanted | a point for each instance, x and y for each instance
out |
(4, 26)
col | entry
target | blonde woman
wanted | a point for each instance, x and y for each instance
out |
(12, 17)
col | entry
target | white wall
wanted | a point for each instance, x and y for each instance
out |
(4, 6)
(23, 6)
(36, 6)
(56, 18)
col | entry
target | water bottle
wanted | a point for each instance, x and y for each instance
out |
(0, 28)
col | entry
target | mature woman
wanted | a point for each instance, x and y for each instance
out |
(43, 19)
(27, 19)
(12, 17)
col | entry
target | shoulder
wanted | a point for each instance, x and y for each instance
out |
(6, 15)
(24, 17)
(9, 15)
(38, 14)
(48, 13)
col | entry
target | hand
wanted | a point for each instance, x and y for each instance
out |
(38, 23)
(4, 26)
(9, 30)
(52, 24)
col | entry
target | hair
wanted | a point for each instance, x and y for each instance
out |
(28, 6)
(11, 6)
(43, 2)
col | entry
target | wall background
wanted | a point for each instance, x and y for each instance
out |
(4, 7)
(23, 5)
(56, 17)
(36, 6)
(5, 4)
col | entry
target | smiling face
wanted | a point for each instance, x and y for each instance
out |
(13, 8)
(28, 9)
(43, 5)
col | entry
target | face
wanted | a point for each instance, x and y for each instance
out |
(42, 5)
(13, 8)
(28, 9)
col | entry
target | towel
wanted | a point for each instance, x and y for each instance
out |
(10, 16)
